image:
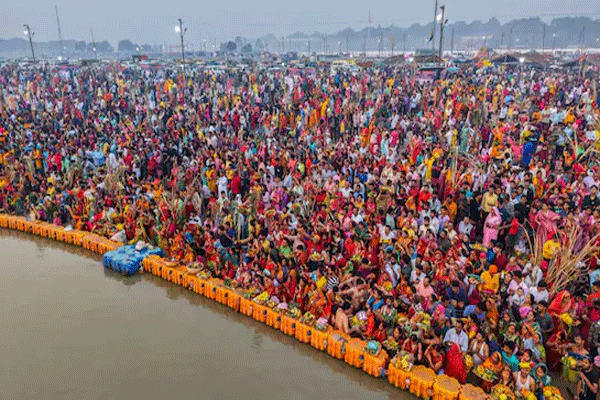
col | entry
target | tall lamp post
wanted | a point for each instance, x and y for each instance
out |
(30, 34)
(94, 44)
(442, 22)
(179, 29)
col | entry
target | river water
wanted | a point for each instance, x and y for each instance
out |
(72, 330)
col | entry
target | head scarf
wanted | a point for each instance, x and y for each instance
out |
(556, 308)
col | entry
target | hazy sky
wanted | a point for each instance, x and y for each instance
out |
(152, 21)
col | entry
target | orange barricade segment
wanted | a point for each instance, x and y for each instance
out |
(273, 318)
(398, 377)
(376, 365)
(319, 339)
(288, 325)
(336, 344)
(445, 388)
(355, 353)
(421, 381)
(470, 392)
(178, 274)
(259, 312)
(210, 290)
(303, 332)
(246, 306)
(221, 293)
(200, 286)
(233, 300)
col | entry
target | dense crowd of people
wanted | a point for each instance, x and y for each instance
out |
(398, 210)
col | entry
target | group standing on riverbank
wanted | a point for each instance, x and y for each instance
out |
(406, 212)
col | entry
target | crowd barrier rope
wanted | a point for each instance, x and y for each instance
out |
(418, 380)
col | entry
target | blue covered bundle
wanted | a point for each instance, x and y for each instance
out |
(126, 259)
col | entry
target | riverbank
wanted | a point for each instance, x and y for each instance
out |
(419, 381)
(79, 331)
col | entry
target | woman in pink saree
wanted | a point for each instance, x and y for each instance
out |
(546, 221)
(491, 227)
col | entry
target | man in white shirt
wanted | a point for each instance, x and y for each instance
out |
(457, 335)
(356, 217)
(417, 275)
(517, 282)
(393, 269)
(540, 292)
(465, 226)
(222, 184)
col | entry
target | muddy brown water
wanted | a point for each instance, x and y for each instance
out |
(72, 330)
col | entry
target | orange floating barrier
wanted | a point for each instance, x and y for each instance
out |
(318, 339)
(3, 221)
(355, 353)
(95, 244)
(68, 236)
(12, 222)
(79, 238)
(167, 272)
(398, 377)
(336, 344)
(177, 275)
(221, 294)
(52, 232)
(288, 325)
(20, 222)
(376, 365)
(190, 280)
(61, 236)
(157, 267)
(259, 312)
(470, 392)
(273, 318)
(210, 290)
(36, 229)
(446, 388)
(85, 242)
(303, 332)
(45, 230)
(200, 286)
(147, 263)
(233, 300)
(421, 381)
(246, 306)
(27, 226)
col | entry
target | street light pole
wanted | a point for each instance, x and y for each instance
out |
(94, 44)
(181, 33)
(443, 8)
(433, 30)
(30, 36)
(543, 38)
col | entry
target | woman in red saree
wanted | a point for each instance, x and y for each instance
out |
(454, 365)
(561, 304)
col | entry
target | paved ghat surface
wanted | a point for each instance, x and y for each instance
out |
(72, 330)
